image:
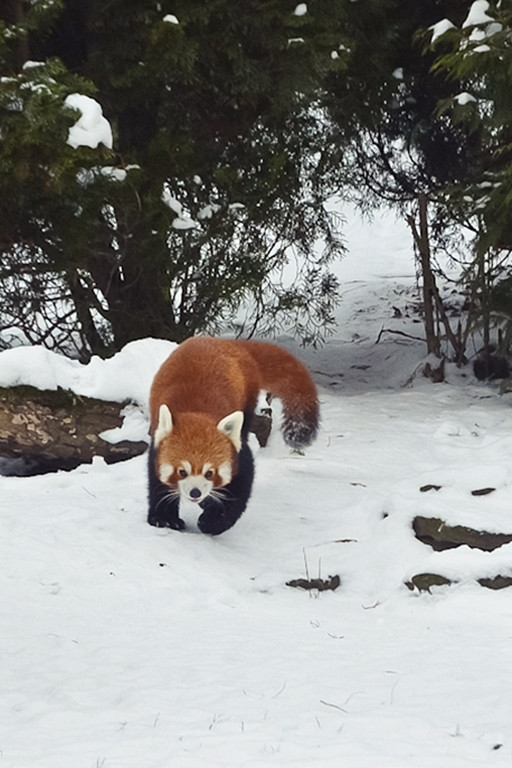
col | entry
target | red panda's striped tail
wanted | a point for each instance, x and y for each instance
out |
(300, 424)
(289, 380)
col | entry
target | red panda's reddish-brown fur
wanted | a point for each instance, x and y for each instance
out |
(204, 375)
(202, 382)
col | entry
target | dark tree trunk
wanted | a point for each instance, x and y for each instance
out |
(422, 243)
(134, 281)
(432, 300)
(13, 12)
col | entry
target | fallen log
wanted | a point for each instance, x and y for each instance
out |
(57, 429)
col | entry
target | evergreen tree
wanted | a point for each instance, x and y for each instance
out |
(385, 104)
(215, 177)
(401, 115)
(476, 54)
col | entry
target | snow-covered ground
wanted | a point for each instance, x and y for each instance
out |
(126, 646)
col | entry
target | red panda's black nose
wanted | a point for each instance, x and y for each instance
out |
(195, 493)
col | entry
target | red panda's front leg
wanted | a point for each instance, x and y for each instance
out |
(222, 510)
(164, 506)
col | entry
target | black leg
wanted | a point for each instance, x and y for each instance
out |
(221, 514)
(163, 506)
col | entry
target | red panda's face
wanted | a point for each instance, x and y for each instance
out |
(193, 481)
(194, 455)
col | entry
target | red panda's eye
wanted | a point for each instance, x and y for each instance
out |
(209, 474)
(182, 473)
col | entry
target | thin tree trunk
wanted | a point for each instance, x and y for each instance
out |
(431, 297)
(422, 243)
(13, 12)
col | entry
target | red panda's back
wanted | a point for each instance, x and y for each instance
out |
(206, 375)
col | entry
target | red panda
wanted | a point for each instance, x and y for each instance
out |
(201, 403)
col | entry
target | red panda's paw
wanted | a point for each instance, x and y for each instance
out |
(162, 522)
(214, 522)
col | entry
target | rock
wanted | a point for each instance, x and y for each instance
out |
(491, 366)
(424, 581)
(332, 582)
(482, 491)
(261, 425)
(437, 534)
(496, 582)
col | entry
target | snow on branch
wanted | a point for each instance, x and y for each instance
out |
(92, 128)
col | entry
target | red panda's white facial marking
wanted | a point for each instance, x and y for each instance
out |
(225, 473)
(165, 472)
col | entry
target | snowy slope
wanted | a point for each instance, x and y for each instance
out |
(125, 646)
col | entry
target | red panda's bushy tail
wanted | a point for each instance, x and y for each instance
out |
(288, 379)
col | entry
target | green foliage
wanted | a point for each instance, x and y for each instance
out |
(411, 136)
(35, 125)
(480, 58)
(385, 104)
(214, 114)
(475, 57)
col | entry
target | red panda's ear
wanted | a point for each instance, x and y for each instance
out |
(164, 426)
(232, 427)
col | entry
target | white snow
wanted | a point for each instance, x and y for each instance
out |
(171, 202)
(477, 14)
(32, 64)
(301, 9)
(92, 128)
(113, 173)
(110, 379)
(184, 223)
(493, 29)
(208, 211)
(464, 98)
(440, 28)
(182, 220)
(477, 35)
(126, 646)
